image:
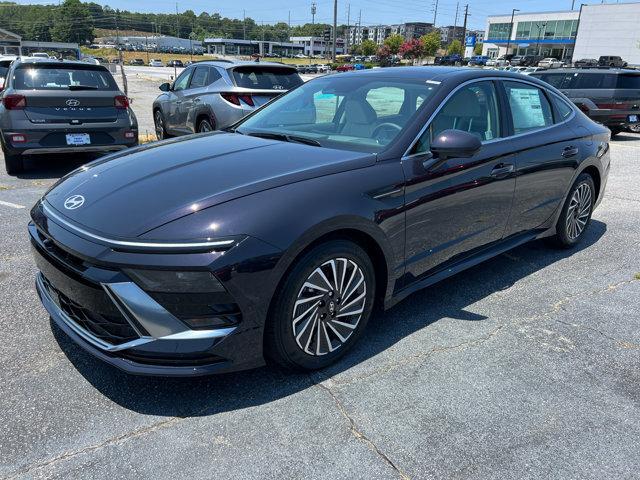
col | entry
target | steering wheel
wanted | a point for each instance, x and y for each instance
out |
(385, 132)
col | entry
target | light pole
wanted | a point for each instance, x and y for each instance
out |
(513, 12)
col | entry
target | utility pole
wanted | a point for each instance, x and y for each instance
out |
(455, 21)
(513, 12)
(464, 24)
(244, 25)
(177, 22)
(359, 29)
(335, 27)
(313, 13)
(346, 45)
(435, 12)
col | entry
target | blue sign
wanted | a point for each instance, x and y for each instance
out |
(470, 41)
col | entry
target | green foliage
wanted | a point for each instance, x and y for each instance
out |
(477, 50)
(355, 50)
(73, 23)
(431, 43)
(455, 47)
(394, 42)
(368, 47)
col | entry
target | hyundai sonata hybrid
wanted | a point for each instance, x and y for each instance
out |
(273, 240)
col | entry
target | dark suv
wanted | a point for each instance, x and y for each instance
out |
(525, 60)
(610, 97)
(611, 61)
(52, 106)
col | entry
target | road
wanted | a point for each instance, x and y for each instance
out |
(526, 366)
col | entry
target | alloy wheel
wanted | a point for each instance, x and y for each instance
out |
(159, 124)
(329, 306)
(579, 211)
(204, 126)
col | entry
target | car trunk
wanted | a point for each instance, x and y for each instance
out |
(72, 107)
(264, 82)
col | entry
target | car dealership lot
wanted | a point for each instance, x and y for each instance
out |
(525, 366)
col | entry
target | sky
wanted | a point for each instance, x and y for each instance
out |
(373, 11)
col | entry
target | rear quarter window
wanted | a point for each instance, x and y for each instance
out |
(265, 78)
(628, 81)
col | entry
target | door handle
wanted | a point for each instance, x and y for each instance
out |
(502, 170)
(570, 151)
(178, 102)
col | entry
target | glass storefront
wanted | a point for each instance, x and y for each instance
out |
(499, 31)
(547, 30)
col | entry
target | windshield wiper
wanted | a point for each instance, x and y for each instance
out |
(82, 87)
(286, 138)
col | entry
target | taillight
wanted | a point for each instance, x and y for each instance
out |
(584, 108)
(14, 102)
(129, 134)
(615, 106)
(235, 98)
(18, 138)
(121, 102)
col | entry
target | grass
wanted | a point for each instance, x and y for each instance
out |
(637, 276)
(112, 53)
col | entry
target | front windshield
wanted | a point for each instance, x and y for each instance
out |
(353, 112)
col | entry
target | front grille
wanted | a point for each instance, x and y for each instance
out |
(112, 328)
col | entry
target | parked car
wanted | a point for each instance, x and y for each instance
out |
(156, 63)
(312, 69)
(478, 60)
(586, 63)
(136, 61)
(276, 239)
(5, 63)
(175, 63)
(550, 63)
(212, 95)
(530, 70)
(52, 106)
(502, 61)
(39, 55)
(611, 61)
(451, 59)
(324, 68)
(610, 97)
(524, 60)
(345, 68)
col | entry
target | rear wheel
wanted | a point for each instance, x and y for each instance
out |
(205, 126)
(158, 120)
(13, 163)
(615, 131)
(323, 307)
(576, 212)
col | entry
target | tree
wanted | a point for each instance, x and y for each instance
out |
(455, 47)
(384, 55)
(412, 49)
(355, 50)
(393, 43)
(477, 50)
(368, 47)
(431, 43)
(73, 22)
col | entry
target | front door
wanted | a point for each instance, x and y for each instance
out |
(175, 118)
(462, 204)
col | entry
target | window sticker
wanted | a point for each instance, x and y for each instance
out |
(526, 108)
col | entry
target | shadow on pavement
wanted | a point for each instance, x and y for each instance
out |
(215, 394)
(53, 166)
(626, 137)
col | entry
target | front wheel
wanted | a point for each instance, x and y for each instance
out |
(322, 308)
(158, 120)
(576, 212)
(204, 126)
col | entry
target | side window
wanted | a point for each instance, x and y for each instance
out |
(529, 106)
(199, 77)
(326, 106)
(473, 109)
(182, 81)
(214, 75)
(386, 101)
(563, 108)
(558, 80)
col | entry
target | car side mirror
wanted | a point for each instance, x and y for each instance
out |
(165, 87)
(455, 143)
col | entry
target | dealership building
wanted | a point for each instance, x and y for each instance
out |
(13, 44)
(592, 31)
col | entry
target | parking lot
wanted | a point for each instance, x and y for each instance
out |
(526, 366)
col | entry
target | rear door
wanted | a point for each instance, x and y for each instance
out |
(67, 93)
(548, 153)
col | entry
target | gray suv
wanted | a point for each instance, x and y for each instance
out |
(212, 95)
(52, 106)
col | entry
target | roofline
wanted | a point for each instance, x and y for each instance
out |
(540, 13)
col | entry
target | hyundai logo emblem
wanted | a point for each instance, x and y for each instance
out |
(73, 202)
(72, 102)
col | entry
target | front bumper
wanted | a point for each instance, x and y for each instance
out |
(83, 288)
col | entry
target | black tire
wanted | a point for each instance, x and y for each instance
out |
(566, 237)
(615, 131)
(204, 125)
(14, 164)
(281, 344)
(158, 121)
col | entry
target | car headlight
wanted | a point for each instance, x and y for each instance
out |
(166, 281)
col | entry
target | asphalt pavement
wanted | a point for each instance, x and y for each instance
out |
(526, 366)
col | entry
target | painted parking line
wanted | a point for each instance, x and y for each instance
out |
(12, 205)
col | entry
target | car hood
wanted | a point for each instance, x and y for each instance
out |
(130, 193)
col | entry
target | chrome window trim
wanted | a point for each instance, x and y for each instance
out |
(408, 155)
(126, 243)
